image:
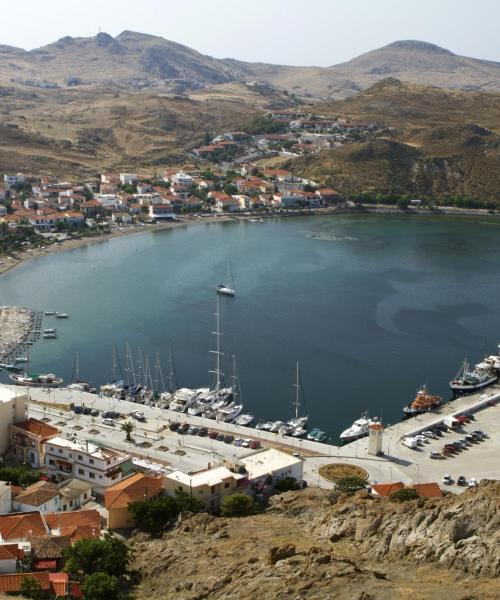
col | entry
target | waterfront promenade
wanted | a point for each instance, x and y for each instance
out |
(154, 442)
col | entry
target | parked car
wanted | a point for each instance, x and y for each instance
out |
(138, 415)
(86, 410)
(471, 416)
(447, 480)
(228, 439)
(111, 414)
(109, 422)
(220, 437)
(183, 428)
(434, 454)
(202, 431)
(461, 480)
(246, 443)
(78, 410)
(212, 435)
(450, 448)
(94, 412)
(460, 444)
(193, 430)
(481, 433)
(472, 482)
(174, 426)
(254, 444)
(471, 438)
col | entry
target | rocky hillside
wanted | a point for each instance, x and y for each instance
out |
(132, 59)
(316, 545)
(440, 143)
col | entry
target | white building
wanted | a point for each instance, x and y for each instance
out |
(42, 496)
(161, 211)
(128, 178)
(101, 467)
(12, 410)
(182, 178)
(13, 180)
(272, 464)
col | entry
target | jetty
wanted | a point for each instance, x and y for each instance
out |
(17, 327)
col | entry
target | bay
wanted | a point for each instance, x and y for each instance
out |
(372, 306)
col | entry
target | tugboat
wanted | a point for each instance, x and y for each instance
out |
(34, 380)
(424, 402)
(467, 381)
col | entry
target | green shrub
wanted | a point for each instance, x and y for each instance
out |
(403, 495)
(350, 484)
(238, 505)
(287, 484)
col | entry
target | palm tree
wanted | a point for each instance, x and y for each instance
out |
(128, 427)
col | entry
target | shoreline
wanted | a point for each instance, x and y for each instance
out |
(11, 261)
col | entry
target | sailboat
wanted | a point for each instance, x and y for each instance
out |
(77, 383)
(298, 422)
(228, 287)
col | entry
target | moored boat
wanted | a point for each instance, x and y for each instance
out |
(244, 420)
(228, 287)
(424, 402)
(467, 381)
(359, 429)
(36, 380)
(62, 316)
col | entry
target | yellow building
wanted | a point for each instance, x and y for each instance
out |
(136, 488)
(209, 486)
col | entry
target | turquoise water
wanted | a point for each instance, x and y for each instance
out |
(371, 306)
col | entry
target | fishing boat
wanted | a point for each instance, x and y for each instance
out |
(244, 420)
(467, 381)
(360, 428)
(424, 402)
(50, 330)
(228, 287)
(50, 313)
(316, 435)
(62, 316)
(490, 363)
(35, 380)
(11, 367)
(21, 359)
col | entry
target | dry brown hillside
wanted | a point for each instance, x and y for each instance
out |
(314, 545)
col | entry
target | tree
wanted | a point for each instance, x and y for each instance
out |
(186, 503)
(90, 556)
(403, 495)
(154, 515)
(100, 586)
(207, 138)
(350, 484)
(287, 484)
(230, 189)
(238, 505)
(128, 427)
(31, 588)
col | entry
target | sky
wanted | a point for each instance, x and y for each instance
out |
(298, 32)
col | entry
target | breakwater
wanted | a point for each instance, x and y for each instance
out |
(16, 329)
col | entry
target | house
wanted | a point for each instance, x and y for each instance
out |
(161, 211)
(87, 461)
(383, 490)
(27, 439)
(139, 486)
(11, 181)
(10, 557)
(328, 196)
(122, 217)
(3, 210)
(426, 490)
(183, 179)
(74, 217)
(56, 584)
(76, 525)
(74, 494)
(292, 200)
(19, 527)
(144, 188)
(209, 486)
(12, 410)
(5, 497)
(128, 178)
(271, 465)
(42, 496)
(47, 551)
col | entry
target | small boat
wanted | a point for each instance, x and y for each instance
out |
(286, 430)
(50, 313)
(62, 316)
(467, 381)
(299, 432)
(50, 336)
(21, 359)
(35, 380)
(82, 386)
(316, 435)
(424, 402)
(359, 429)
(275, 427)
(264, 426)
(244, 420)
(50, 330)
(298, 422)
(229, 413)
(227, 288)
(11, 367)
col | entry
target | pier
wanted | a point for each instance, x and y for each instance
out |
(18, 326)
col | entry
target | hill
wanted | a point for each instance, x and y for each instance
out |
(441, 143)
(316, 544)
(140, 60)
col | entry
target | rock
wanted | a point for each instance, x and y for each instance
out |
(323, 559)
(252, 560)
(460, 530)
(279, 553)
(220, 535)
(306, 585)
(379, 575)
(220, 583)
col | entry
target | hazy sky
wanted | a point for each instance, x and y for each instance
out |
(301, 32)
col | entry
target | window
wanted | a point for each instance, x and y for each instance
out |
(91, 475)
(60, 450)
(52, 448)
(51, 462)
(91, 461)
(100, 476)
(212, 489)
(80, 457)
(70, 455)
(226, 485)
(81, 472)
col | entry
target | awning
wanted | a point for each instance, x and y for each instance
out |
(45, 564)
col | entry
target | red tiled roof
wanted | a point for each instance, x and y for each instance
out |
(386, 489)
(22, 525)
(13, 581)
(77, 524)
(37, 428)
(134, 488)
(427, 490)
(8, 552)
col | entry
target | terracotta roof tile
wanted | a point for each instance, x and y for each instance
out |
(386, 489)
(37, 428)
(22, 525)
(132, 489)
(13, 581)
(73, 519)
(37, 494)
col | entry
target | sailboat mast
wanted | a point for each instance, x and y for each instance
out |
(297, 393)
(77, 368)
(217, 352)
(172, 377)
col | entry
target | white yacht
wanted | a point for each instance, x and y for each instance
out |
(183, 399)
(229, 413)
(244, 420)
(276, 426)
(358, 429)
(228, 287)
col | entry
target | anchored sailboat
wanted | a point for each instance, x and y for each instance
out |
(228, 287)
